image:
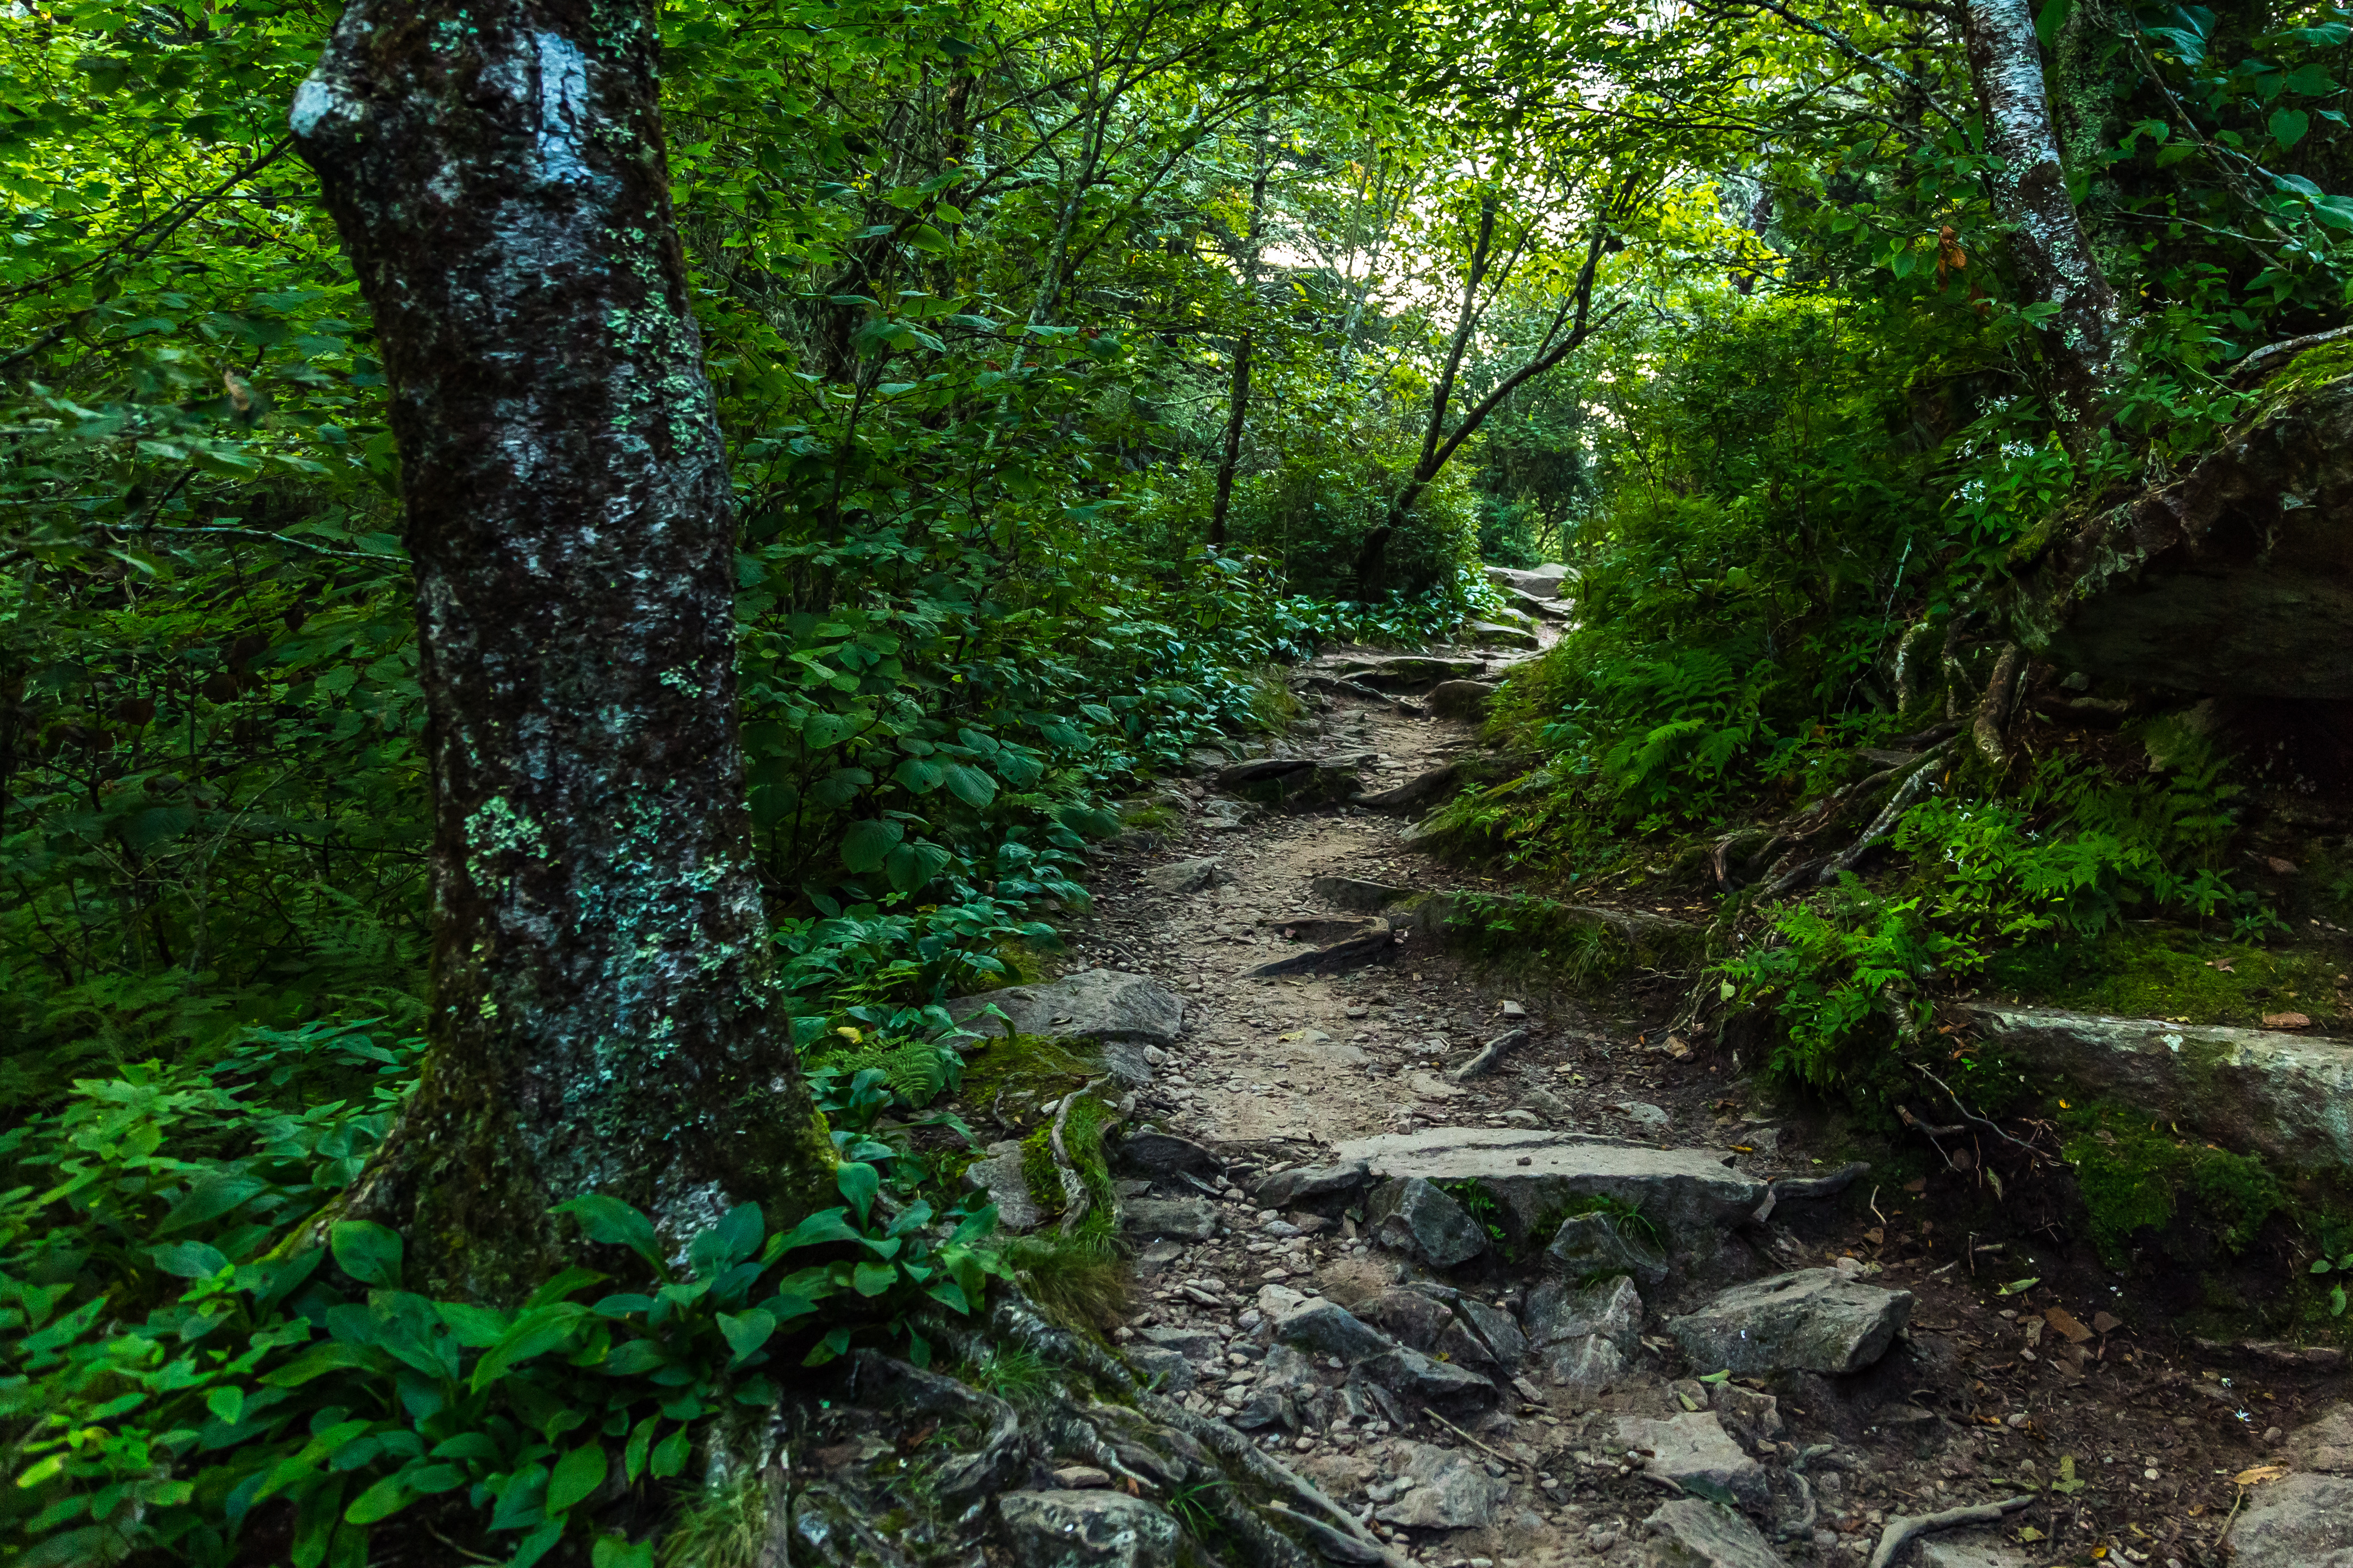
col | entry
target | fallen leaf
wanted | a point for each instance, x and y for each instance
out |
(2259, 1475)
(2061, 1319)
(2286, 1021)
(2015, 1286)
(1874, 1236)
(2106, 1322)
(1917, 1184)
(2280, 868)
(1677, 1047)
(2030, 1534)
(2224, 964)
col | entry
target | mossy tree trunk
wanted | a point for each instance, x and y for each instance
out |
(604, 1018)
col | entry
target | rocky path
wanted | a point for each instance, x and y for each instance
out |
(1600, 1301)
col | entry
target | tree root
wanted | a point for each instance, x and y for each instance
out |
(1077, 1198)
(1992, 728)
(1901, 1529)
(1490, 1053)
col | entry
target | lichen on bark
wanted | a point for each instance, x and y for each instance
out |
(604, 1013)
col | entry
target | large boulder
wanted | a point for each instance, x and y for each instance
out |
(1541, 583)
(1445, 1490)
(1314, 1186)
(1694, 1448)
(1123, 1012)
(2325, 1442)
(1086, 1530)
(1689, 1195)
(2279, 1095)
(2233, 578)
(2300, 1521)
(1689, 1533)
(1414, 1217)
(1816, 1320)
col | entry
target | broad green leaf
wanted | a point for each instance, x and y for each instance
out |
(577, 1476)
(368, 1252)
(609, 1220)
(2288, 126)
(969, 784)
(746, 1331)
(858, 1182)
(212, 1193)
(620, 1552)
(188, 1259)
(382, 1500)
(670, 1455)
(535, 1333)
(873, 1278)
(865, 844)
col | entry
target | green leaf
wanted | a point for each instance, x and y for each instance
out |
(620, 1552)
(2049, 20)
(633, 1452)
(969, 784)
(476, 1327)
(636, 1358)
(577, 1476)
(382, 1500)
(858, 1182)
(2288, 126)
(537, 1544)
(734, 1238)
(873, 1278)
(535, 1333)
(609, 1220)
(865, 844)
(825, 1226)
(670, 1454)
(322, 1359)
(917, 776)
(211, 1194)
(746, 1331)
(195, 1260)
(369, 1253)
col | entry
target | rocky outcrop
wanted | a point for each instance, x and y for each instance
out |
(1086, 1530)
(2286, 1097)
(1295, 784)
(2234, 578)
(1123, 1012)
(1692, 1448)
(1408, 672)
(1816, 1320)
(1537, 583)
(1689, 1533)
(2300, 1521)
(1181, 876)
(1689, 1195)
(1414, 1217)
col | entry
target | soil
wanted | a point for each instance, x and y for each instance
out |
(2133, 1442)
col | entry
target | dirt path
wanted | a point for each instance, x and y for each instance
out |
(2127, 1444)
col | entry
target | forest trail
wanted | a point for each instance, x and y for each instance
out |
(1583, 1429)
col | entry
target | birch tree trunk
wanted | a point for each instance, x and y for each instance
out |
(602, 1017)
(2047, 244)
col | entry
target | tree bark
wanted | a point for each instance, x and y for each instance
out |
(2047, 243)
(603, 1013)
(1229, 458)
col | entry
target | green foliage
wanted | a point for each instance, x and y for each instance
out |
(2135, 1175)
(176, 1353)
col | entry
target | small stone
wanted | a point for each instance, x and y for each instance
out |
(1511, 1010)
(1082, 1477)
(1187, 1219)
(1642, 1114)
(1181, 876)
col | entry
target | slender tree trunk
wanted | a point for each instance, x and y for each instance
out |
(604, 1018)
(2047, 244)
(1238, 402)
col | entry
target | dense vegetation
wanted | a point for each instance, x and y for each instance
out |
(1077, 365)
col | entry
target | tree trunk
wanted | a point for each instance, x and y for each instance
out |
(1229, 458)
(603, 1016)
(2047, 244)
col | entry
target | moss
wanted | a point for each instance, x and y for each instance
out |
(2148, 970)
(1557, 942)
(2133, 1177)
(1273, 705)
(2315, 367)
(1024, 1068)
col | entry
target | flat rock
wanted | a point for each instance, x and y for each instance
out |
(1185, 1219)
(1688, 1193)
(1816, 1320)
(1498, 634)
(1655, 941)
(1465, 699)
(1089, 1529)
(1369, 946)
(1157, 1153)
(1423, 788)
(1193, 1344)
(1107, 1005)
(1643, 1114)
(1355, 894)
(2300, 1521)
(1695, 1446)
(1542, 583)
(1413, 1216)
(1164, 1368)
(1409, 672)
(1689, 1533)
(2326, 1443)
(1970, 1550)
(1450, 1491)
(1181, 876)
(999, 1175)
(1314, 1186)
(1326, 1328)
(2279, 1095)
(1417, 1380)
(1323, 928)
(1589, 1244)
(1295, 782)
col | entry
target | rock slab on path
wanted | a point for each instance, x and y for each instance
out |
(1180, 877)
(1689, 1533)
(1110, 1006)
(1694, 1448)
(1690, 1194)
(1816, 1320)
(2299, 1521)
(1086, 1530)
(1356, 895)
(1414, 1217)
(1447, 1491)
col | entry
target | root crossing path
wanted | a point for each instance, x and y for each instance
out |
(1604, 1299)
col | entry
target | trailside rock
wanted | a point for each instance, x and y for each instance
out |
(1108, 1005)
(1651, 940)
(1162, 1369)
(1085, 1530)
(1589, 1244)
(1327, 1328)
(1689, 1533)
(1414, 1217)
(1417, 1380)
(2300, 1521)
(1424, 787)
(1355, 894)
(1816, 1320)
(1688, 1193)
(1446, 1491)
(1466, 699)
(2325, 1443)
(1496, 634)
(1585, 1336)
(2277, 1094)
(1186, 1219)
(1323, 928)
(1694, 1448)
(1295, 784)
(1152, 1152)
(1410, 1316)
(1970, 1551)
(1181, 876)
(1314, 1186)
(1409, 672)
(1542, 582)
(999, 1175)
